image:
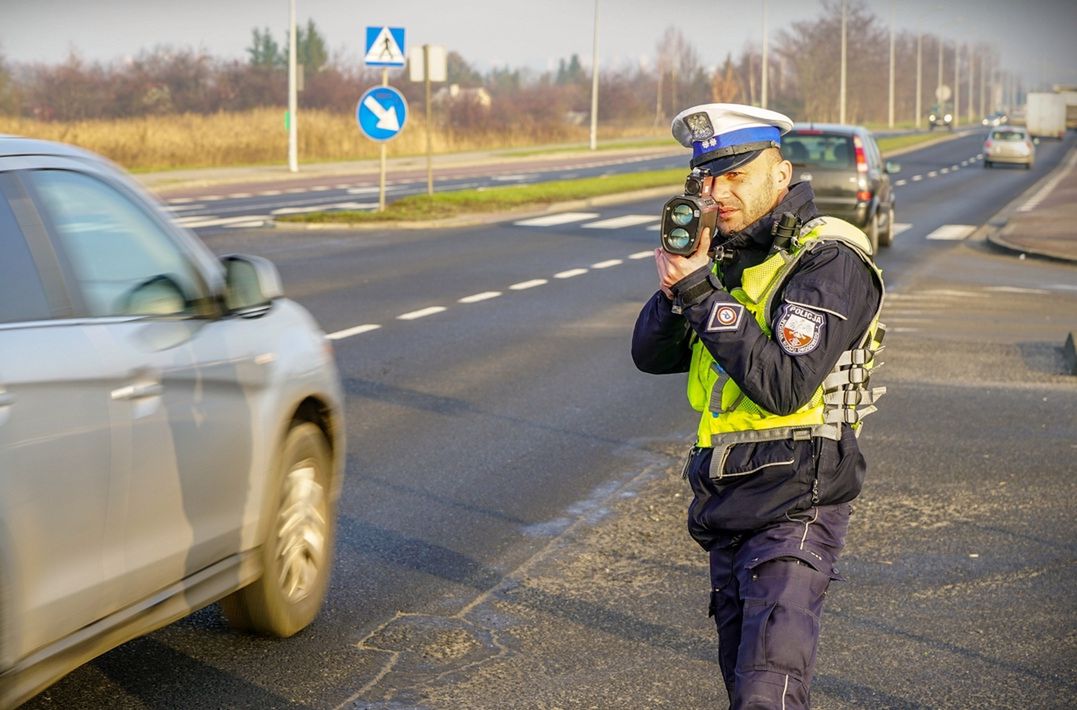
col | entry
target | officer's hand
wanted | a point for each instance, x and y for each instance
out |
(673, 267)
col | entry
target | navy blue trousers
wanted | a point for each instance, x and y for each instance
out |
(768, 587)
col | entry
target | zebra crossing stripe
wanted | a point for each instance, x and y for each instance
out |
(952, 232)
(555, 219)
(628, 220)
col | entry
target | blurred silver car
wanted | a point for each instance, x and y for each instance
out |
(1009, 144)
(170, 425)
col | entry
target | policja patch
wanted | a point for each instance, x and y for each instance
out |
(799, 330)
(724, 317)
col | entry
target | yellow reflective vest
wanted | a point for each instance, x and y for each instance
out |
(729, 417)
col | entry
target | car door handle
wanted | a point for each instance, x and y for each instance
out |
(138, 391)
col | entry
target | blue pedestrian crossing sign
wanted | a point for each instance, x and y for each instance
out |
(381, 113)
(384, 47)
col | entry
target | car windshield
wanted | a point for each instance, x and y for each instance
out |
(1008, 135)
(818, 149)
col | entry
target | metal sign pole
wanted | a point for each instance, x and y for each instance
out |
(384, 152)
(429, 127)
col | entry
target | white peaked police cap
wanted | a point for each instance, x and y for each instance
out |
(726, 136)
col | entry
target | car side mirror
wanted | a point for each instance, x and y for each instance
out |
(892, 168)
(252, 283)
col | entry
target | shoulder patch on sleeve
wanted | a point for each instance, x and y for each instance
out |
(799, 330)
(724, 317)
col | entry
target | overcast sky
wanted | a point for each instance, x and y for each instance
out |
(1036, 38)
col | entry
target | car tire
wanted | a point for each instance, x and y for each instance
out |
(872, 230)
(886, 237)
(298, 551)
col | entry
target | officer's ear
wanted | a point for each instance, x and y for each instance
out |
(781, 171)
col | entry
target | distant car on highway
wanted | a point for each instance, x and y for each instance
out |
(850, 179)
(171, 426)
(997, 118)
(940, 119)
(1010, 144)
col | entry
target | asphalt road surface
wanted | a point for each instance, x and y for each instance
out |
(511, 529)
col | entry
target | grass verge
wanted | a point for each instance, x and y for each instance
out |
(497, 199)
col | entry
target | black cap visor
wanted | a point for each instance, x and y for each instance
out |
(726, 159)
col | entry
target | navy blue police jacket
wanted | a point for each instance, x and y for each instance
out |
(842, 294)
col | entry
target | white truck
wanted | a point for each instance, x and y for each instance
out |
(1045, 115)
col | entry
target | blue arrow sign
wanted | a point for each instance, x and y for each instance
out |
(381, 113)
(384, 47)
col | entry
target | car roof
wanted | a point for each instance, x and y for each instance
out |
(838, 128)
(19, 145)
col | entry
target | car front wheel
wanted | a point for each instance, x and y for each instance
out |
(298, 550)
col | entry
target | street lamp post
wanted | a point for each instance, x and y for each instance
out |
(957, 84)
(841, 110)
(293, 119)
(594, 84)
(891, 111)
(919, 76)
(763, 103)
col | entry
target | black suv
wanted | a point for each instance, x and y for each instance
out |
(850, 179)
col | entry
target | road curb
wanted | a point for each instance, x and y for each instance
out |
(927, 144)
(996, 228)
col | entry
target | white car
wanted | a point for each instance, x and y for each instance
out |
(171, 428)
(1009, 144)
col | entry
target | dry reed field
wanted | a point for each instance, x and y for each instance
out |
(259, 137)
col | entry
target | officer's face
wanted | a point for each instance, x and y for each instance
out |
(751, 191)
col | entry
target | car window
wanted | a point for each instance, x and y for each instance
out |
(22, 295)
(818, 150)
(122, 261)
(1008, 135)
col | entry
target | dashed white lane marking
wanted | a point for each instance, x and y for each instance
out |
(509, 178)
(523, 285)
(484, 296)
(320, 188)
(570, 273)
(270, 193)
(917, 178)
(1041, 194)
(181, 200)
(643, 254)
(944, 171)
(628, 220)
(1018, 289)
(195, 222)
(421, 313)
(555, 219)
(933, 173)
(899, 183)
(607, 264)
(362, 190)
(295, 190)
(212, 198)
(349, 332)
(181, 208)
(952, 232)
(320, 208)
(900, 227)
(955, 167)
(240, 195)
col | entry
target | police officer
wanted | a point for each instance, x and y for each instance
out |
(778, 337)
